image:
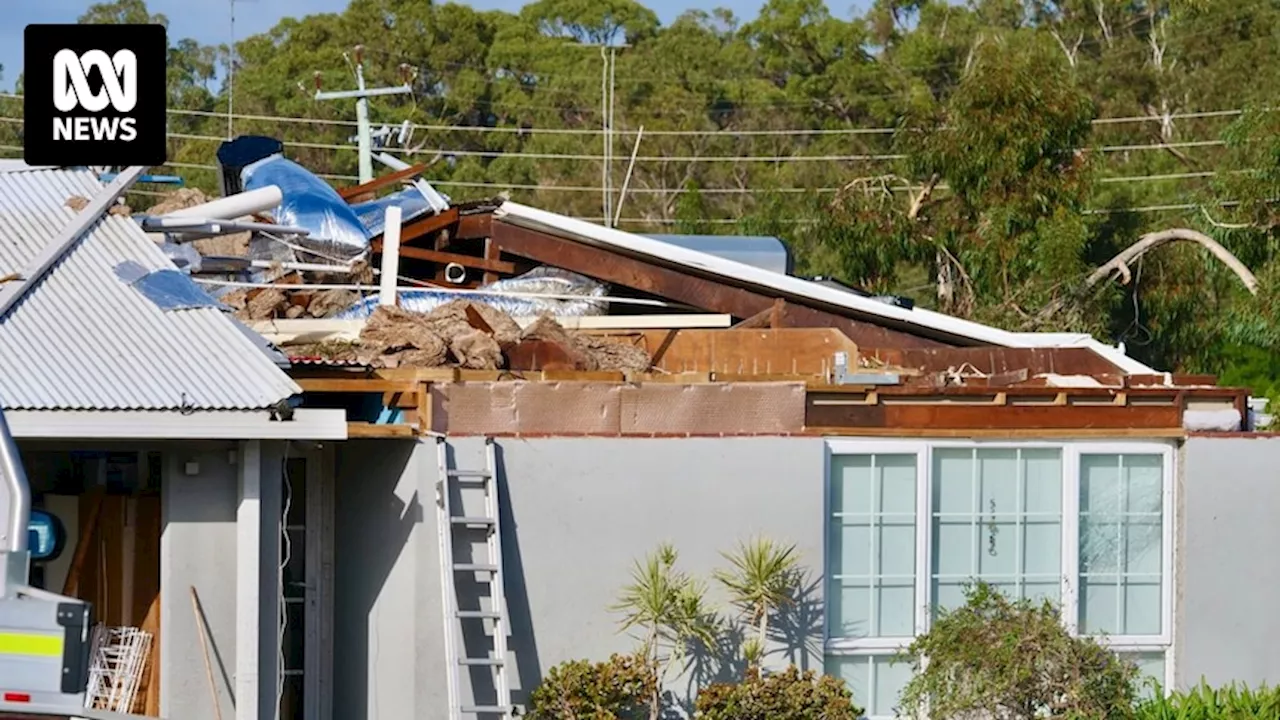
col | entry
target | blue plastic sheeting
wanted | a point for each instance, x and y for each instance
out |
(168, 289)
(373, 214)
(539, 281)
(310, 203)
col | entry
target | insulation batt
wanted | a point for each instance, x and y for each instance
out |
(538, 281)
(310, 203)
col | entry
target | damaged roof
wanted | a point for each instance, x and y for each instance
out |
(91, 334)
(775, 284)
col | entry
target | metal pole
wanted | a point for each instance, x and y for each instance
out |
(231, 72)
(604, 126)
(627, 180)
(613, 66)
(363, 140)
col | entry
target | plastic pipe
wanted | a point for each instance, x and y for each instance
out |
(234, 206)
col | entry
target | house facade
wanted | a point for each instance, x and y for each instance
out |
(141, 410)
(1049, 465)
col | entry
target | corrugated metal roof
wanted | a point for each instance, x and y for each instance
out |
(84, 339)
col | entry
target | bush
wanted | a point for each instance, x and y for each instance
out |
(999, 658)
(789, 695)
(618, 689)
(1206, 703)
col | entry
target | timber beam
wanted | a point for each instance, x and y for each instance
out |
(687, 288)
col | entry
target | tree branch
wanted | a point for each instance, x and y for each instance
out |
(1120, 263)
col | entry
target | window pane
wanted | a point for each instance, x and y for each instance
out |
(998, 518)
(1150, 669)
(876, 681)
(851, 483)
(849, 608)
(1121, 544)
(872, 546)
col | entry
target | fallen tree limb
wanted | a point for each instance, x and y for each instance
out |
(1120, 263)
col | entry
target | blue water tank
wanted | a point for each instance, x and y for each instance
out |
(761, 251)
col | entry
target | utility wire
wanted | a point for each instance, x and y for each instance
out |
(312, 121)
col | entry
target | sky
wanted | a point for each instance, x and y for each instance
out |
(209, 21)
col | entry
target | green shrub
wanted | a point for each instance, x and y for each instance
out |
(618, 689)
(1206, 703)
(789, 695)
(995, 657)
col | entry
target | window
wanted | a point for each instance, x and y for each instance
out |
(1086, 525)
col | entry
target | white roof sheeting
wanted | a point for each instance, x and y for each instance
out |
(84, 339)
(786, 286)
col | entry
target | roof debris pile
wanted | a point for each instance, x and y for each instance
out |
(469, 335)
(492, 286)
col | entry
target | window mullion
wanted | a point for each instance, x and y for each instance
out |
(924, 538)
(873, 622)
(1071, 539)
(1019, 508)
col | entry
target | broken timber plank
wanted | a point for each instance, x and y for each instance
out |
(444, 258)
(822, 411)
(684, 287)
(369, 430)
(418, 228)
(475, 226)
(349, 193)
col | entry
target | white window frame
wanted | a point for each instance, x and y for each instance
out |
(1071, 452)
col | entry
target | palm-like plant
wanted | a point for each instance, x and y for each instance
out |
(668, 609)
(763, 578)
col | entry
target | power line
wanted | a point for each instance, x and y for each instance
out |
(1134, 119)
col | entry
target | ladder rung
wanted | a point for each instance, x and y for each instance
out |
(478, 474)
(483, 709)
(475, 567)
(492, 662)
(471, 521)
(482, 614)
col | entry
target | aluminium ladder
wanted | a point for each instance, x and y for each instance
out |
(450, 522)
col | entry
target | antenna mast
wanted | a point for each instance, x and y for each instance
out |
(364, 136)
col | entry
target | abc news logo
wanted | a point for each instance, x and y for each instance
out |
(95, 95)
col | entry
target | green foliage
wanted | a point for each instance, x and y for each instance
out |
(1207, 703)
(763, 578)
(667, 609)
(994, 657)
(618, 689)
(788, 695)
(667, 606)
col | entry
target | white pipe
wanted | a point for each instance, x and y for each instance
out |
(455, 273)
(301, 267)
(390, 256)
(234, 206)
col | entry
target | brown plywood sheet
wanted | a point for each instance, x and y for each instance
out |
(795, 351)
(713, 409)
(583, 408)
(568, 408)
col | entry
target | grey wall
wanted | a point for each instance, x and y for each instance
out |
(1226, 621)
(198, 549)
(580, 512)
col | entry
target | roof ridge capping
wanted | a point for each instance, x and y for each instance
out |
(787, 285)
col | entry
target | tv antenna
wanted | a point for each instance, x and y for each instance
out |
(231, 72)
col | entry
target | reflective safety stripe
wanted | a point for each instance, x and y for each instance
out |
(35, 644)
